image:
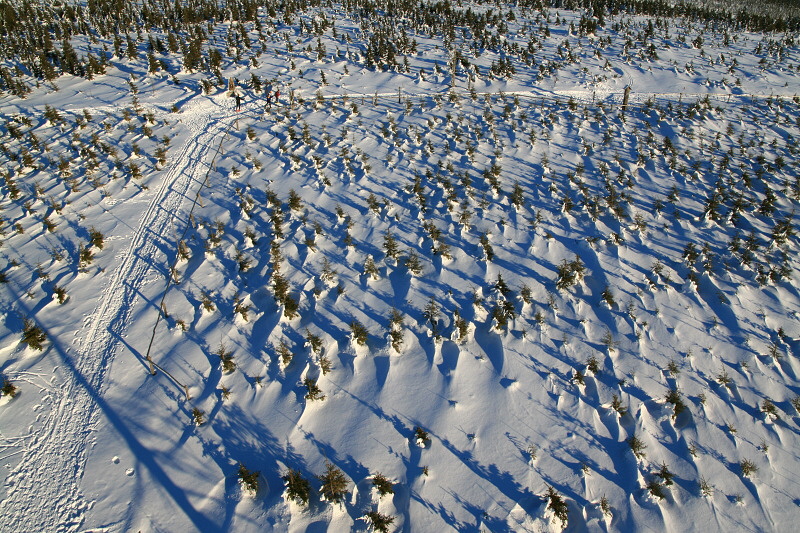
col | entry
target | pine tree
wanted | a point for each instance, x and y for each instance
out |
(298, 489)
(334, 483)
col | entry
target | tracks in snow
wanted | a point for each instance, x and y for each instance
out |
(43, 492)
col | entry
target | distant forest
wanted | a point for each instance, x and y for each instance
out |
(36, 37)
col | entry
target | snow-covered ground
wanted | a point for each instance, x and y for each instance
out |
(681, 210)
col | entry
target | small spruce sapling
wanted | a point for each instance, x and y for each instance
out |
(96, 238)
(593, 365)
(60, 294)
(314, 392)
(637, 446)
(770, 410)
(747, 467)
(371, 269)
(198, 416)
(314, 342)
(559, 507)
(382, 485)
(665, 475)
(8, 389)
(334, 484)
(33, 336)
(284, 352)
(796, 403)
(207, 303)
(655, 488)
(379, 522)
(605, 506)
(358, 333)
(674, 397)
(248, 479)
(616, 404)
(706, 488)
(226, 357)
(421, 437)
(325, 364)
(298, 489)
(390, 246)
(413, 263)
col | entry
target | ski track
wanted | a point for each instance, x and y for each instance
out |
(42, 492)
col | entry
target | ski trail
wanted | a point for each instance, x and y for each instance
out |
(43, 492)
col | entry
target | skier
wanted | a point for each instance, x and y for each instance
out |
(269, 102)
(277, 96)
(238, 101)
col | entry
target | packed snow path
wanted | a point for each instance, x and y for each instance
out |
(43, 492)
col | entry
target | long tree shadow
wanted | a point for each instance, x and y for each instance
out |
(144, 455)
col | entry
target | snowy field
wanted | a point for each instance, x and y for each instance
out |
(573, 301)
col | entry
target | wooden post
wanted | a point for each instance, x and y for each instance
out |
(152, 366)
(625, 98)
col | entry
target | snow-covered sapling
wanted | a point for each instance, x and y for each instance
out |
(371, 269)
(608, 341)
(60, 293)
(328, 273)
(379, 522)
(413, 263)
(674, 397)
(747, 467)
(796, 403)
(96, 238)
(358, 333)
(33, 336)
(608, 297)
(460, 326)
(665, 474)
(295, 202)
(325, 364)
(531, 451)
(559, 507)
(655, 488)
(8, 389)
(284, 352)
(334, 484)
(605, 506)
(770, 410)
(637, 446)
(488, 251)
(85, 257)
(207, 303)
(593, 365)
(314, 392)
(198, 416)
(382, 484)
(421, 437)
(298, 489)
(616, 404)
(248, 479)
(314, 342)
(226, 357)
(390, 246)
(706, 488)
